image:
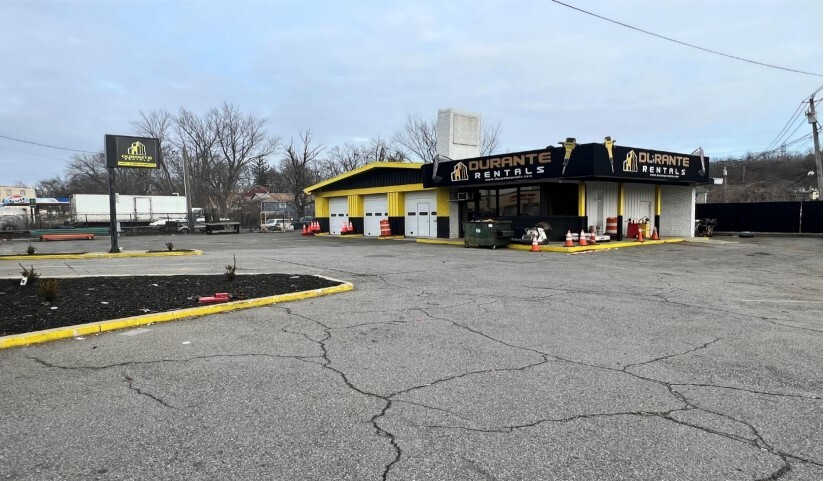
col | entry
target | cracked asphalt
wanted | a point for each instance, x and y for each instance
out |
(693, 361)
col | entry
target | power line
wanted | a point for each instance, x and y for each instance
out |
(45, 145)
(687, 44)
(798, 112)
(794, 117)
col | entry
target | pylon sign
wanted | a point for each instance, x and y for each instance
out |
(132, 152)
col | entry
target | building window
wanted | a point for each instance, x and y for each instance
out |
(529, 201)
(508, 202)
(487, 203)
(282, 205)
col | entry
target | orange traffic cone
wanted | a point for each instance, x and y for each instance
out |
(640, 237)
(317, 226)
(582, 240)
(568, 241)
(535, 247)
(655, 233)
(343, 228)
(305, 230)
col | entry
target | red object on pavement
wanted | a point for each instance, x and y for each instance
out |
(218, 297)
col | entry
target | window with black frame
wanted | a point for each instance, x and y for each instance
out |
(529, 201)
(487, 203)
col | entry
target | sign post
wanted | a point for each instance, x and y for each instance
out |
(127, 152)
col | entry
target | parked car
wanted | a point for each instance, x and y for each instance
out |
(277, 225)
(171, 225)
(305, 220)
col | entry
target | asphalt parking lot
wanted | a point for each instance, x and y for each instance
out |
(699, 360)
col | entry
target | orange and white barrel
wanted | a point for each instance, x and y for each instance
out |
(612, 226)
(385, 231)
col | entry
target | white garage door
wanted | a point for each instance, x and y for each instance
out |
(374, 211)
(421, 218)
(338, 213)
(638, 202)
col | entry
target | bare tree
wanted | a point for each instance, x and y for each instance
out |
(343, 159)
(418, 140)
(240, 140)
(299, 168)
(489, 138)
(168, 177)
(54, 187)
(86, 174)
(196, 142)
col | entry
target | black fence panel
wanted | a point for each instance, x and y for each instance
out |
(764, 216)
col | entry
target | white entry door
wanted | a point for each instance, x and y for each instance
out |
(338, 213)
(421, 218)
(374, 211)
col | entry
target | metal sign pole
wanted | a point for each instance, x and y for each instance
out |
(112, 211)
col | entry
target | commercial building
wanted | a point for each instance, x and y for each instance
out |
(571, 186)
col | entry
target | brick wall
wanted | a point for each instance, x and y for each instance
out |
(677, 211)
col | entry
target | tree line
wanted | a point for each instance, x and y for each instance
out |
(216, 156)
(777, 176)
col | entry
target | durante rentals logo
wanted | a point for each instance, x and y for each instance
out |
(631, 162)
(459, 172)
(137, 148)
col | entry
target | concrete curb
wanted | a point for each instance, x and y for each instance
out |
(101, 255)
(57, 333)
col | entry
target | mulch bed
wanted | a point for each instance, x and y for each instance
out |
(93, 299)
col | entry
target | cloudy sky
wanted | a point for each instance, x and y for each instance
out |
(349, 70)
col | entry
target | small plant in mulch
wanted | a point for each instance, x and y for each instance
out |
(29, 273)
(230, 270)
(170, 246)
(30, 250)
(48, 289)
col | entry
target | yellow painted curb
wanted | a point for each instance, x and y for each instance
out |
(57, 333)
(451, 242)
(596, 247)
(102, 255)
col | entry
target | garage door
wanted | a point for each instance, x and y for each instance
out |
(338, 213)
(638, 202)
(374, 210)
(421, 218)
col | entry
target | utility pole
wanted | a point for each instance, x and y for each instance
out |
(811, 118)
(186, 193)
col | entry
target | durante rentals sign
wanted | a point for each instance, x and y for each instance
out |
(572, 161)
(136, 152)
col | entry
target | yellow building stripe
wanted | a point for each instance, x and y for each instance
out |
(582, 199)
(658, 200)
(442, 201)
(395, 204)
(98, 327)
(620, 199)
(101, 255)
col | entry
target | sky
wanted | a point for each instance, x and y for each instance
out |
(351, 70)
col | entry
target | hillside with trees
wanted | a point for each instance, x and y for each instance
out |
(773, 177)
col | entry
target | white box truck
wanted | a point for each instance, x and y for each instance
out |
(134, 209)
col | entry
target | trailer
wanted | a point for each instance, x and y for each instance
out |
(93, 209)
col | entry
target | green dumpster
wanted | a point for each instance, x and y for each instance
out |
(487, 233)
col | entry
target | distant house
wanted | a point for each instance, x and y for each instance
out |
(279, 205)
